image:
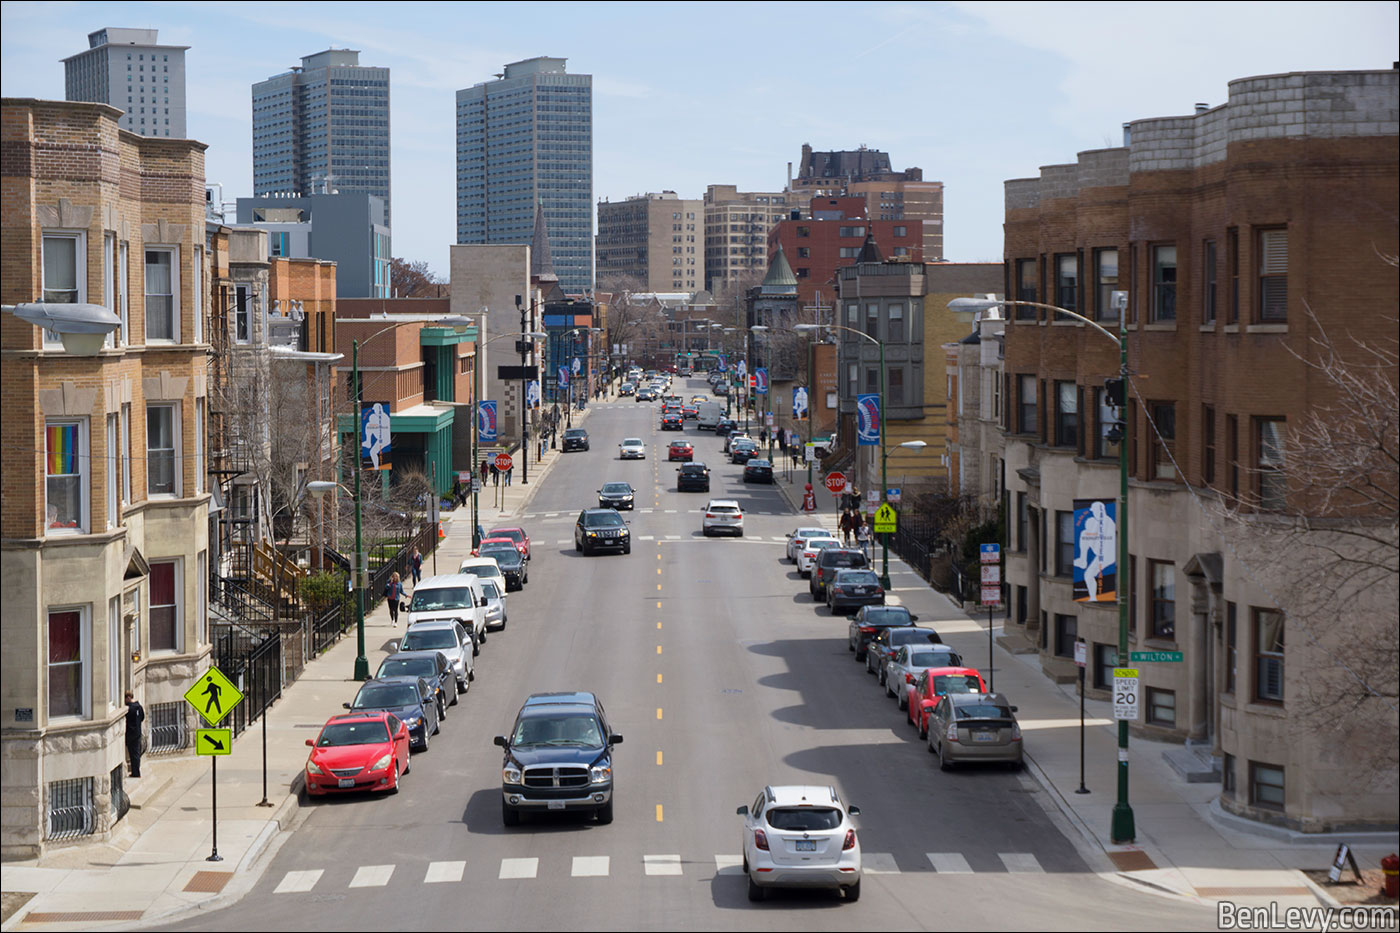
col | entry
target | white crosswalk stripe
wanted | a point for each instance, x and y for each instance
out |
(562, 541)
(662, 864)
(646, 537)
(590, 866)
(444, 872)
(729, 864)
(1020, 862)
(519, 868)
(878, 863)
(372, 876)
(949, 863)
(673, 537)
(298, 881)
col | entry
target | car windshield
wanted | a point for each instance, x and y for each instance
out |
(514, 534)
(956, 683)
(888, 615)
(804, 818)
(759, 464)
(983, 711)
(848, 559)
(933, 659)
(563, 730)
(726, 509)
(694, 468)
(490, 590)
(442, 597)
(620, 489)
(407, 667)
(857, 578)
(909, 636)
(575, 432)
(421, 640)
(821, 544)
(385, 696)
(503, 555)
(478, 570)
(632, 442)
(603, 520)
(365, 732)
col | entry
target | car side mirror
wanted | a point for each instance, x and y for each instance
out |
(614, 739)
(913, 618)
(928, 704)
(502, 741)
(1015, 709)
(346, 705)
(310, 743)
(851, 618)
(853, 811)
(743, 811)
(393, 647)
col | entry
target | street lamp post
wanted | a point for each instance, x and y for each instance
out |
(476, 419)
(757, 329)
(1123, 828)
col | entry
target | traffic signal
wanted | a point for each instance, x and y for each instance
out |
(1113, 392)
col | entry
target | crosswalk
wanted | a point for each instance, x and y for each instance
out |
(652, 866)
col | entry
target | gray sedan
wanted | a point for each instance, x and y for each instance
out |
(910, 661)
(449, 637)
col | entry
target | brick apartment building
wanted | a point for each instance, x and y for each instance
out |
(104, 559)
(657, 241)
(831, 238)
(1242, 233)
(736, 233)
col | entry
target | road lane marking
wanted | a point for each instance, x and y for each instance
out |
(658, 678)
(729, 864)
(372, 876)
(1020, 862)
(949, 863)
(658, 569)
(658, 604)
(658, 556)
(658, 625)
(658, 587)
(878, 863)
(662, 864)
(590, 866)
(518, 868)
(673, 537)
(659, 814)
(296, 882)
(439, 872)
(658, 712)
(658, 649)
(646, 537)
(658, 758)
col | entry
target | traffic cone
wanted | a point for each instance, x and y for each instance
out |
(441, 533)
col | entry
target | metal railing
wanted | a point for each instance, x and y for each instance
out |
(168, 728)
(325, 629)
(240, 601)
(72, 811)
(255, 667)
(121, 803)
(425, 539)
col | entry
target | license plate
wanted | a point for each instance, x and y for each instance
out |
(863, 590)
(347, 782)
(806, 845)
(984, 736)
(555, 805)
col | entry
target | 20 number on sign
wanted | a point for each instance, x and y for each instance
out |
(1125, 693)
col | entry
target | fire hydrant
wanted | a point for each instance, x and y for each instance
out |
(1390, 865)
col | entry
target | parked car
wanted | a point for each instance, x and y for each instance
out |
(734, 437)
(431, 666)
(514, 566)
(883, 645)
(693, 476)
(808, 556)
(722, 515)
(364, 751)
(933, 683)
(455, 596)
(758, 471)
(575, 439)
(558, 756)
(871, 620)
(447, 636)
(902, 670)
(616, 496)
(601, 528)
(797, 539)
(828, 562)
(854, 588)
(742, 451)
(631, 448)
(413, 703)
(680, 450)
(800, 836)
(725, 426)
(495, 604)
(973, 727)
(516, 534)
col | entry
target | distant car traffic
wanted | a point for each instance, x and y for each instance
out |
(631, 448)
(693, 476)
(575, 439)
(672, 421)
(722, 515)
(680, 450)
(758, 470)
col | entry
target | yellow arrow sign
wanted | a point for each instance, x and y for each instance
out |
(213, 741)
(213, 695)
(886, 519)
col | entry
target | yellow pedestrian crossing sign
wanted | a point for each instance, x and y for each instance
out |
(213, 695)
(213, 741)
(886, 519)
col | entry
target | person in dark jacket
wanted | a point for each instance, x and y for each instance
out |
(393, 592)
(135, 716)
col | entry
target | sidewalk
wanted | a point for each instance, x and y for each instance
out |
(1186, 846)
(155, 868)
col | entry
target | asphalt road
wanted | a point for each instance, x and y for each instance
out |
(722, 676)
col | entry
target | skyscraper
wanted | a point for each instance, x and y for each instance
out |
(128, 69)
(523, 140)
(322, 127)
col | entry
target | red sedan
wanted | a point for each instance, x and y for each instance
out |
(933, 683)
(365, 751)
(680, 450)
(515, 534)
(494, 539)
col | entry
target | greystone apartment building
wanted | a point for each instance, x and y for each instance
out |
(130, 70)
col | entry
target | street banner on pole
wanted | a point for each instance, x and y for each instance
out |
(868, 420)
(760, 377)
(532, 393)
(1095, 550)
(486, 423)
(375, 435)
(799, 403)
(563, 377)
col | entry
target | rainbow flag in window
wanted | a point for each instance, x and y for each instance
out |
(62, 442)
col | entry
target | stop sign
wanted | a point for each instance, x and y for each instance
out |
(503, 462)
(835, 482)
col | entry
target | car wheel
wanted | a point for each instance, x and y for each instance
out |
(869, 668)
(476, 645)
(853, 892)
(923, 728)
(605, 813)
(929, 745)
(943, 763)
(461, 686)
(426, 730)
(509, 815)
(442, 709)
(755, 892)
(627, 549)
(577, 546)
(1017, 765)
(881, 673)
(471, 675)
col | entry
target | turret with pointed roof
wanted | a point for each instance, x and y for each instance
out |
(780, 279)
(541, 260)
(869, 251)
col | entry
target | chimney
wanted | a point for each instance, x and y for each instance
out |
(1127, 134)
(789, 181)
(1202, 108)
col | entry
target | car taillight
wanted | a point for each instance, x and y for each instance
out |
(709, 514)
(760, 840)
(850, 842)
(952, 734)
(879, 591)
(1015, 732)
(866, 629)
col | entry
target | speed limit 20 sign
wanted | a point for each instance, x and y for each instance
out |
(1125, 693)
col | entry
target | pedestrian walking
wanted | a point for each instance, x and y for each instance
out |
(393, 592)
(484, 468)
(863, 537)
(457, 492)
(495, 475)
(417, 562)
(135, 716)
(509, 472)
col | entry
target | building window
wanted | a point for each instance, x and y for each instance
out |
(199, 445)
(109, 282)
(198, 294)
(1162, 439)
(1232, 248)
(895, 389)
(1161, 707)
(1105, 660)
(64, 274)
(1208, 444)
(1163, 598)
(1132, 594)
(278, 243)
(68, 661)
(872, 319)
(1268, 655)
(1231, 647)
(804, 252)
(1105, 282)
(1107, 418)
(161, 307)
(901, 231)
(1020, 605)
(852, 313)
(872, 382)
(114, 640)
(126, 452)
(895, 325)
(1271, 481)
(242, 314)
(165, 605)
(1208, 276)
(1227, 775)
(72, 812)
(804, 231)
(1273, 275)
(1026, 289)
(1066, 634)
(162, 450)
(66, 476)
(1232, 453)
(1021, 514)
(1066, 414)
(1026, 419)
(1064, 544)
(850, 252)
(851, 231)
(201, 606)
(111, 462)
(802, 272)
(124, 277)
(1266, 785)
(167, 726)
(1067, 282)
(1163, 284)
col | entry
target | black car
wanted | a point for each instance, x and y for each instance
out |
(410, 699)
(724, 426)
(693, 477)
(758, 471)
(514, 567)
(432, 666)
(575, 439)
(854, 588)
(601, 528)
(558, 756)
(673, 421)
(646, 394)
(871, 620)
(828, 562)
(743, 452)
(616, 496)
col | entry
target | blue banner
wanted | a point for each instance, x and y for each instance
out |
(375, 434)
(868, 420)
(563, 377)
(1095, 550)
(760, 376)
(720, 364)
(799, 403)
(486, 423)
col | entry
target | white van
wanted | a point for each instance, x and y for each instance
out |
(710, 413)
(451, 596)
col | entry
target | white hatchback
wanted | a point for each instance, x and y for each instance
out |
(808, 556)
(797, 539)
(800, 836)
(723, 515)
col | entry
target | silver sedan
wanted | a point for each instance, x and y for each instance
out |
(495, 605)
(631, 448)
(808, 555)
(909, 661)
(798, 539)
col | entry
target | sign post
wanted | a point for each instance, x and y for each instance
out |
(990, 556)
(1081, 658)
(213, 697)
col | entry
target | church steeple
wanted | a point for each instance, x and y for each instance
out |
(779, 280)
(541, 260)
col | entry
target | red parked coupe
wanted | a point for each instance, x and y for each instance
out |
(365, 751)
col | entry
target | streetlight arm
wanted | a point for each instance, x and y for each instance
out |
(979, 304)
(851, 330)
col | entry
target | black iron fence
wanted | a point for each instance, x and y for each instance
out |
(324, 629)
(255, 667)
(239, 601)
(399, 561)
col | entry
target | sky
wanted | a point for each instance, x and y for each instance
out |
(687, 95)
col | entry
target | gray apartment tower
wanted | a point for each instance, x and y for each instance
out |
(130, 70)
(322, 127)
(527, 139)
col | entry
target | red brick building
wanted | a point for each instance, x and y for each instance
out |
(832, 238)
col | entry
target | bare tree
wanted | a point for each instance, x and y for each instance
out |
(414, 279)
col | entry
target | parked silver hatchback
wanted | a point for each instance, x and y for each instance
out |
(972, 727)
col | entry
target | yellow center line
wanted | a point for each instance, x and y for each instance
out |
(658, 678)
(658, 813)
(658, 625)
(658, 587)
(658, 605)
(658, 571)
(658, 757)
(658, 712)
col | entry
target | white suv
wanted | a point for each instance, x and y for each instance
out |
(800, 836)
(723, 515)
